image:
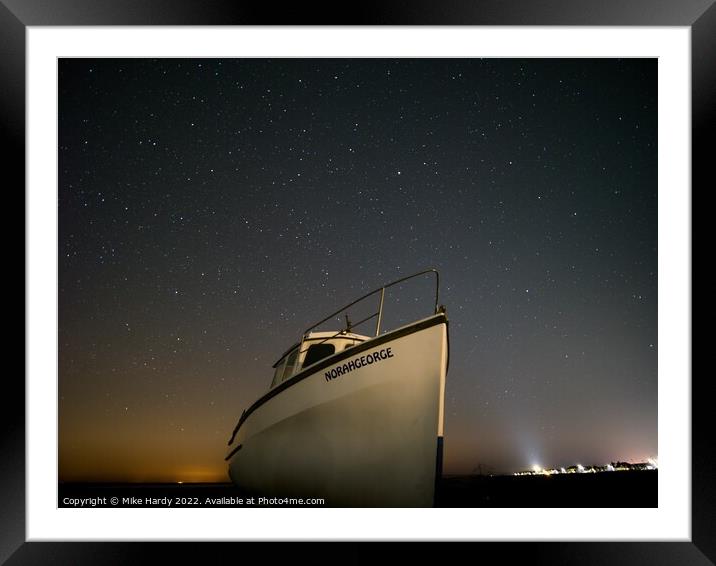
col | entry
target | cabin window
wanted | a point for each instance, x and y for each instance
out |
(290, 365)
(318, 352)
(284, 368)
(278, 373)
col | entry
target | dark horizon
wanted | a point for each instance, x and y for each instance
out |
(211, 209)
(627, 489)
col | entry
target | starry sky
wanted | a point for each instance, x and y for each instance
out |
(212, 209)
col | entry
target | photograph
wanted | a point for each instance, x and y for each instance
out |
(417, 275)
(357, 282)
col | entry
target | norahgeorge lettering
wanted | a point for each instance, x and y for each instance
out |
(357, 363)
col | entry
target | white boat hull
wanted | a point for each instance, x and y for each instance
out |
(356, 432)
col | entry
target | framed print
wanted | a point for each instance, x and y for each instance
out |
(224, 178)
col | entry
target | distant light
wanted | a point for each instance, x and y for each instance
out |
(537, 469)
(653, 463)
(562, 471)
(610, 468)
(580, 468)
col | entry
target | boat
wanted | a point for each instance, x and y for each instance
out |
(354, 420)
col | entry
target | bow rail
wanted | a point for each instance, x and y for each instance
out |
(379, 312)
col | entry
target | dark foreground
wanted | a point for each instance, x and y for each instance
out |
(608, 489)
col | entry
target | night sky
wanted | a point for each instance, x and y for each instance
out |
(212, 209)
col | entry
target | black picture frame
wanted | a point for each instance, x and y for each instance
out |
(16, 15)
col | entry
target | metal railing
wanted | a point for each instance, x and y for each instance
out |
(379, 313)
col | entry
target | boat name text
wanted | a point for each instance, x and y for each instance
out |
(357, 363)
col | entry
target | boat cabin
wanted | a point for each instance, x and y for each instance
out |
(314, 347)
